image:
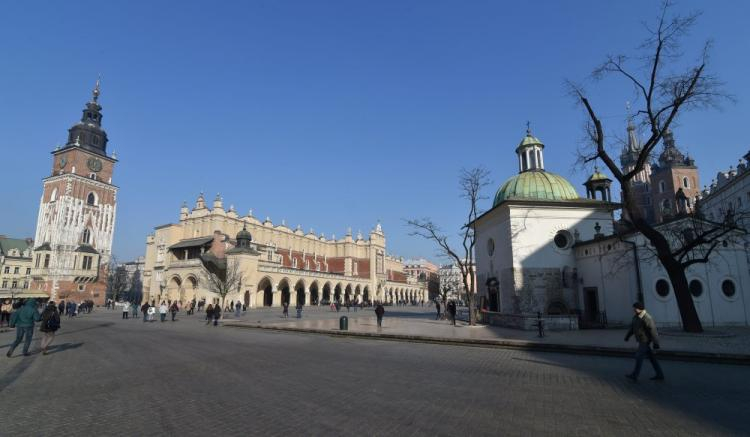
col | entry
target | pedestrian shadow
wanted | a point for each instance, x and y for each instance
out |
(97, 326)
(63, 347)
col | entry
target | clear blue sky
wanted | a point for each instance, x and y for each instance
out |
(329, 114)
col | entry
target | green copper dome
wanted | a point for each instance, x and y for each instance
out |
(535, 185)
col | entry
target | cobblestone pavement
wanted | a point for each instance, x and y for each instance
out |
(125, 377)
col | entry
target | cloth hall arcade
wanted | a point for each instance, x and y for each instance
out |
(277, 264)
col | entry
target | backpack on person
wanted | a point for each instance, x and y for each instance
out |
(53, 323)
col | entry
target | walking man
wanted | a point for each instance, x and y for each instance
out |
(163, 311)
(285, 311)
(173, 309)
(217, 314)
(50, 324)
(437, 307)
(451, 310)
(644, 330)
(379, 311)
(237, 309)
(23, 319)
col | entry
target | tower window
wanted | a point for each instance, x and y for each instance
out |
(86, 236)
(92, 176)
(53, 196)
(91, 198)
(685, 182)
(662, 186)
(46, 260)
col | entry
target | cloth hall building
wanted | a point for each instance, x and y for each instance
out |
(277, 264)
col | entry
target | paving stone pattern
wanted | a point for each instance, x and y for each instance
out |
(123, 377)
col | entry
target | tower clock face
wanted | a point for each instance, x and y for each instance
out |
(94, 164)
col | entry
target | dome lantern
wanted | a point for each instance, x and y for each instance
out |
(530, 152)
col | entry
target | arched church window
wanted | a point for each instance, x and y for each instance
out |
(665, 204)
(91, 199)
(53, 196)
(662, 186)
(86, 236)
(92, 176)
(685, 182)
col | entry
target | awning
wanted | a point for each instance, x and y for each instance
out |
(193, 242)
(22, 294)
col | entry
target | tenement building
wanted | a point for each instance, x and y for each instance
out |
(275, 263)
(77, 211)
(543, 251)
(15, 266)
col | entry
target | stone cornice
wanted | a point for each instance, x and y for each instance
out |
(72, 176)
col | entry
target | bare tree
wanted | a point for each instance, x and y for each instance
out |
(117, 281)
(471, 183)
(662, 96)
(223, 281)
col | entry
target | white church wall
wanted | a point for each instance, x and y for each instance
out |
(613, 273)
(607, 266)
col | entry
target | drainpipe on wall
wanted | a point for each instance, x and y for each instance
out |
(637, 267)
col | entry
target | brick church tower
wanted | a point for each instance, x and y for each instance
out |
(77, 211)
(674, 181)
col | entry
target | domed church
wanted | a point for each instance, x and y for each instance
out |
(526, 240)
(544, 251)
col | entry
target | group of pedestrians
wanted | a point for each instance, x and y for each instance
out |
(23, 320)
(450, 311)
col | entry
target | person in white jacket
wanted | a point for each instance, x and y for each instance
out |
(163, 311)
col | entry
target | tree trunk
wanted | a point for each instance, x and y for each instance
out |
(688, 314)
(673, 267)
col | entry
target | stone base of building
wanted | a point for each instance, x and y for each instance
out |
(529, 322)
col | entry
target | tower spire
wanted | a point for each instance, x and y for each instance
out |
(97, 90)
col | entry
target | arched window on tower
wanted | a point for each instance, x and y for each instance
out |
(86, 239)
(685, 182)
(53, 196)
(662, 186)
(91, 199)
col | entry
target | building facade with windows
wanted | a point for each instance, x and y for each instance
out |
(543, 250)
(15, 265)
(77, 212)
(276, 263)
(425, 272)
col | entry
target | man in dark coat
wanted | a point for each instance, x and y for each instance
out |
(437, 307)
(644, 330)
(144, 310)
(451, 309)
(217, 314)
(23, 319)
(379, 311)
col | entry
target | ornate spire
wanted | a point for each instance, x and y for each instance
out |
(97, 90)
(88, 133)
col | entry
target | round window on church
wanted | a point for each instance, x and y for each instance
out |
(728, 288)
(662, 287)
(563, 239)
(696, 288)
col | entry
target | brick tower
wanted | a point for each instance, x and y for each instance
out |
(674, 181)
(77, 211)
